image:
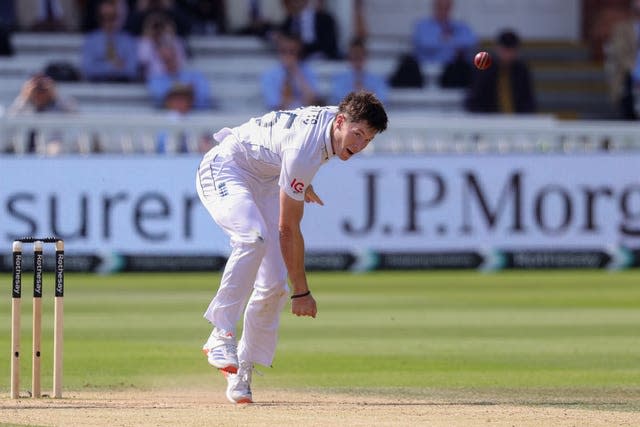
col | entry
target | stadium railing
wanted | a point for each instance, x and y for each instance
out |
(407, 133)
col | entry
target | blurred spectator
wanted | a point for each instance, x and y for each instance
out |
(109, 54)
(357, 77)
(315, 27)
(407, 73)
(179, 98)
(360, 29)
(89, 12)
(206, 16)
(506, 86)
(8, 17)
(623, 63)
(6, 46)
(47, 15)
(62, 71)
(144, 8)
(291, 83)
(438, 39)
(457, 73)
(179, 102)
(598, 20)
(257, 25)
(158, 30)
(160, 85)
(39, 95)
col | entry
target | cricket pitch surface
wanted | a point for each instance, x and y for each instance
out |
(302, 408)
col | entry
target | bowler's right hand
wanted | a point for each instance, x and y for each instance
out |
(304, 306)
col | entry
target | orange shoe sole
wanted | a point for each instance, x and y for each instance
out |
(241, 401)
(227, 369)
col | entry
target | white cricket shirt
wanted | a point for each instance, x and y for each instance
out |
(291, 145)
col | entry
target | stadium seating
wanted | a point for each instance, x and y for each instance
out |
(232, 64)
(123, 118)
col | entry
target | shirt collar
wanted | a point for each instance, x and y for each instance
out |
(327, 149)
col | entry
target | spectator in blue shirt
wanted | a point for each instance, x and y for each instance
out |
(438, 39)
(158, 30)
(357, 77)
(161, 84)
(291, 83)
(108, 53)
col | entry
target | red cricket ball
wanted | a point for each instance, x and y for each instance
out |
(482, 60)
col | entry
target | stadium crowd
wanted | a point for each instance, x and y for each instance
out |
(147, 42)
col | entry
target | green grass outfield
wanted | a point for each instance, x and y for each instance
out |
(557, 337)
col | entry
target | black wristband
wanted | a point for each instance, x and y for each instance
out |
(301, 295)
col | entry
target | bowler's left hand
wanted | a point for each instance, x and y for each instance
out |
(310, 196)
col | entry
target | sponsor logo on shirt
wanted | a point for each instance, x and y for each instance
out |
(297, 186)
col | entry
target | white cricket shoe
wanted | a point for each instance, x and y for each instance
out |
(221, 350)
(239, 385)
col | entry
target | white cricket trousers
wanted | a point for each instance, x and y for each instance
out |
(246, 208)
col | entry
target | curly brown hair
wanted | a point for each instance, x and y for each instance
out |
(364, 106)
